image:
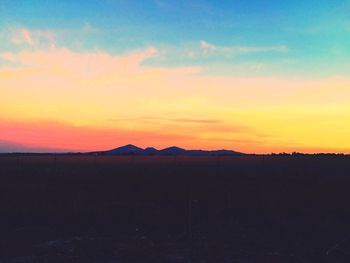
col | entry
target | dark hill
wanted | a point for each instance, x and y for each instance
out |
(174, 150)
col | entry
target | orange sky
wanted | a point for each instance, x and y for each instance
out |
(58, 98)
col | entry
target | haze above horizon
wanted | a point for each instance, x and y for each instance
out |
(251, 76)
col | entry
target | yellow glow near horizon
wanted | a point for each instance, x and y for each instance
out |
(57, 98)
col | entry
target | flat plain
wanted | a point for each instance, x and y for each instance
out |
(84, 208)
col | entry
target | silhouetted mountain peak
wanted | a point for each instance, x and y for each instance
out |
(130, 146)
(131, 149)
(126, 149)
(173, 150)
(150, 150)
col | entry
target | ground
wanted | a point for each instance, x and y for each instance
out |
(174, 209)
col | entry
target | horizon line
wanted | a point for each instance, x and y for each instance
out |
(62, 152)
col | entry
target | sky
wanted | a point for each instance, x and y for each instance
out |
(255, 76)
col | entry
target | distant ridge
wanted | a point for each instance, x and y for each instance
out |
(127, 149)
(130, 149)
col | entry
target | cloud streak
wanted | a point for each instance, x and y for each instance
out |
(176, 120)
(24, 36)
(211, 49)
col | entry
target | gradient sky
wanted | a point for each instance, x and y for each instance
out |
(255, 76)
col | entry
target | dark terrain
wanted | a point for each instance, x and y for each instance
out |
(127, 209)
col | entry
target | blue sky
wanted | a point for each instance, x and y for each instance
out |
(316, 33)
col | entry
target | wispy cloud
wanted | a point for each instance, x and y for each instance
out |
(24, 36)
(196, 121)
(189, 52)
(87, 65)
(88, 29)
(175, 120)
(211, 49)
(8, 56)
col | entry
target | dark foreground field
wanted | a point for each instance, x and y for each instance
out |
(127, 209)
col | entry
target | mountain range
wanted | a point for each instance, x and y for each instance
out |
(134, 150)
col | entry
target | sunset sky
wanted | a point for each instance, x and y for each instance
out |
(256, 76)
